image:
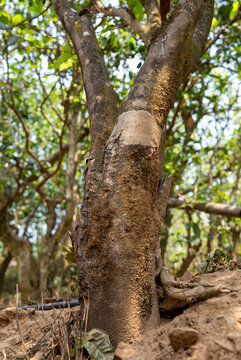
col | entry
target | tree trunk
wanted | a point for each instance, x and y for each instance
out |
(165, 234)
(116, 236)
(211, 234)
(28, 278)
(235, 231)
(119, 233)
(3, 268)
(21, 250)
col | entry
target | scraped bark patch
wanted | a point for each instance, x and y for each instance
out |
(137, 128)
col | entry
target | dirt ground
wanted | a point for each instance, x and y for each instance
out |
(214, 323)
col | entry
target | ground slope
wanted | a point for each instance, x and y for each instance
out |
(216, 324)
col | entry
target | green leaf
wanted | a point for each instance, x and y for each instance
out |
(61, 59)
(215, 22)
(99, 346)
(12, 40)
(17, 19)
(5, 18)
(3, 26)
(196, 229)
(137, 8)
(234, 9)
(68, 252)
(66, 65)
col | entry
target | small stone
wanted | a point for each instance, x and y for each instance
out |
(233, 336)
(182, 338)
(225, 345)
(10, 313)
(20, 356)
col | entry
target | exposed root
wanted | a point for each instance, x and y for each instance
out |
(177, 294)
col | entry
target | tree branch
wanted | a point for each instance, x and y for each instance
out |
(102, 100)
(201, 31)
(27, 137)
(29, 20)
(55, 156)
(129, 19)
(70, 195)
(163, 72)
(153, 12)
(224, 28)
(212, 208)
(8, 237)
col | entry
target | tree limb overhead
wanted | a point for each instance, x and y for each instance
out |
(212, 208)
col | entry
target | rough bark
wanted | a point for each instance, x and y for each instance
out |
(116, 235)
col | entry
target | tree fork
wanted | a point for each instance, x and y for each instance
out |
(116, 235)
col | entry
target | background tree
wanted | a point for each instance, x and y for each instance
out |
(207, 131)
(42, 124)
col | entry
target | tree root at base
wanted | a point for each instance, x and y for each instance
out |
(177, 294)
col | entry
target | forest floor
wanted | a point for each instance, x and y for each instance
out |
(213, 328)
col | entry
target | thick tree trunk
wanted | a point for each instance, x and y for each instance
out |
(119, 240)
(116, 236)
